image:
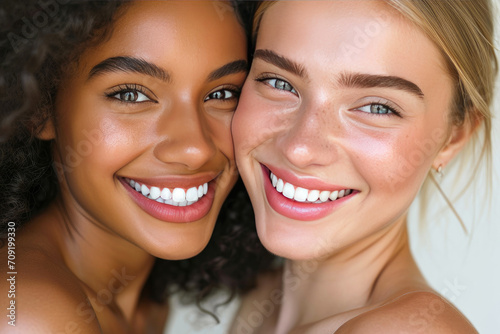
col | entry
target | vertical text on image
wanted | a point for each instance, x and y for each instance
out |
(11, 272)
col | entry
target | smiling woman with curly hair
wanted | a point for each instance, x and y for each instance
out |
(116, 152)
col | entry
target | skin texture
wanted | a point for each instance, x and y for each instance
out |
(84, 261)
(349, 269)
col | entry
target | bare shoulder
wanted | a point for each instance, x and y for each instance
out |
(415, 312)
(42, 296)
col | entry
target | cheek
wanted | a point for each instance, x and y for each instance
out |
(397, 162)
(220, 133)
(96, 139)
(255, 121)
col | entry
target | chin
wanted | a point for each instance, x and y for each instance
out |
(180, 251)
(296, 244)
(185, 241)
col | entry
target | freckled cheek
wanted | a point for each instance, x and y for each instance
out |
(395, 164)
(255, 122)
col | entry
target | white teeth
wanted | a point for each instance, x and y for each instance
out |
(175, 197)
(144, 190)
(324, 196)
(288, 190)
(334, 195)
(313, 196)
(279, 185)
(274, 180)
(300, 194)
(166, 194)
(179, 195)
(155, 192)
(192, 194)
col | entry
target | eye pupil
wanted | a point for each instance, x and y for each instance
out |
(379, 109)
(129, 96)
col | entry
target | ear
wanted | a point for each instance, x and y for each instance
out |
(46, 131)
(460, 135)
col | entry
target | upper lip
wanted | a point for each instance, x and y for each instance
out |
(303, 181)
(176, 181)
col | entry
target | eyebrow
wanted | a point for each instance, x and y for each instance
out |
(137, 65)
(281, 62)
(129, 64)
(360, 80)
(230, 68)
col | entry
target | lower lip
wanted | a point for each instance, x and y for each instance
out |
(170, 213)
(297, 210)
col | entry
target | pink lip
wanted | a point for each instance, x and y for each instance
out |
(298, 210)
(307, 182)
(170, 213)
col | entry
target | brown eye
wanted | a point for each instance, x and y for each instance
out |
(223, 94)
(131, 96)
(131, 93)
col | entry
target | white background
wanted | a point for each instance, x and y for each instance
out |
(465, 269)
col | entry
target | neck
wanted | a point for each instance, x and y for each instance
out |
(364, 274)
(108, 266)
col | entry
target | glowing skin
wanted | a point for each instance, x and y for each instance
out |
(175, 136)
(323, 131)
(152, 103)
(307, 114)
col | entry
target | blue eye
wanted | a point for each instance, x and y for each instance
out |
(280, 84)
(377, 108)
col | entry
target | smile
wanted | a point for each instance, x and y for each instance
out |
(175, 196)
(300, 194)
(176, 204)
(288, 199)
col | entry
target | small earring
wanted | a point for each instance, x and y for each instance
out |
(439, 171)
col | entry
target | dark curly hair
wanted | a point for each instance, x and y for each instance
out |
(39, 42)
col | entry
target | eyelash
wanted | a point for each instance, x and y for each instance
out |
(267, 76)
(394, 111)
(125, 88)
(236, 91)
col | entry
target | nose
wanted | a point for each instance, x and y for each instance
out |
(186, 137)
(309, 137)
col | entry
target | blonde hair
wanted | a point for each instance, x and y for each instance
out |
(463, 32)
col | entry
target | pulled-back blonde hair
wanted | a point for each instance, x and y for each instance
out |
(463, 32)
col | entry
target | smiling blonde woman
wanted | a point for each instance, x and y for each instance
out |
(348, 108)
